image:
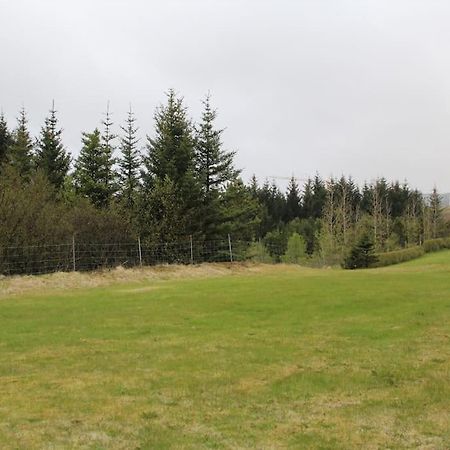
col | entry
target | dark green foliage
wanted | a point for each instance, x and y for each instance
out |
(273, 203)
(129, 164)
(170, 166)
(163, 218)
(276, 243)
(307, 228)
(214, 165)
(240, 212)
(362, 255)
(214, 170)
(170, 153)
(51, 157)
(314, 198)
(93, 171)
(5, 140)
(20, 153)
(293, 201)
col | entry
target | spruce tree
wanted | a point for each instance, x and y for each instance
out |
(51, 157)
(170, 160)
(108, 138)
(319, 198)
(214, 169)
(92, 174)
(214, 164)
(129, 162)
(293, 206)
(20, 152)
(5, 139)
(170, 153)
(362, 255)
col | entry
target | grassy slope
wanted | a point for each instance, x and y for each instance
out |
(289, 358)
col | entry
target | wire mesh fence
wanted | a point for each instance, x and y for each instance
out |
(79, 256)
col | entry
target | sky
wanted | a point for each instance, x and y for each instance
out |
(353, 87)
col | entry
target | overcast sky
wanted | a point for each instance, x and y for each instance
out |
(351, 87)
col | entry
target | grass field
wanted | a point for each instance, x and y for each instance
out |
(268, 357)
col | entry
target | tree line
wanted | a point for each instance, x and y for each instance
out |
(181, 182)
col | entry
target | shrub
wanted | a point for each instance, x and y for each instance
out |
(434, 245)
(257, 252)
(296, 250)
(361, 255)
(398, 256)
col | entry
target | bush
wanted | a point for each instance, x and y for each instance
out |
(362, 255)
(398, 256)
(257, 252)
(434, 245)
(296, 250)
(276, 243)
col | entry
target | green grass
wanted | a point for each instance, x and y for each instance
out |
(285, 358)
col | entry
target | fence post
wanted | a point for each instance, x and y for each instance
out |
(230, 248)
(140, 251)
(73, 254)
(192, 249)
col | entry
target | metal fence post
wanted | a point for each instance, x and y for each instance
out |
(192, 249)
(140, 251)
(230, 248)
(73, 254)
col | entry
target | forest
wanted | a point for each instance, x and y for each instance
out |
(182, 183)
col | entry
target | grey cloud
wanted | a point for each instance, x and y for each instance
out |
(354, 87)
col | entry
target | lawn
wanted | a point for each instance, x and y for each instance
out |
(266, 358)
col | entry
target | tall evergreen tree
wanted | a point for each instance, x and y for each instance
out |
(293, 206)
(214, 164)
(170, 161)
(129, 162)
(214, 170)
(92, 174)
(319, 198)
(108, 138)
(5, 139)
(20, 152)
(170, 153)
(51, 157)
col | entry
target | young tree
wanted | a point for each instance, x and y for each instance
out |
(296, 250)
(129, 163)
(92, 174)
(51, 157)
(20, 152)
(362, 254)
